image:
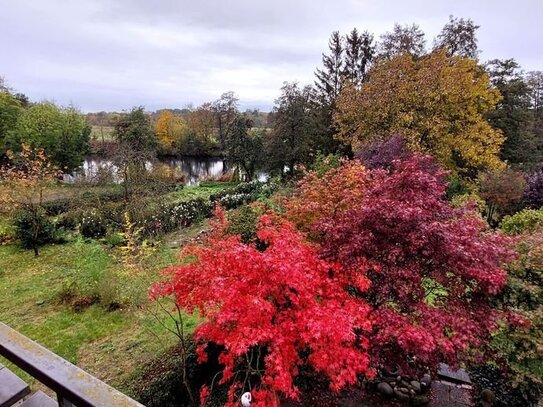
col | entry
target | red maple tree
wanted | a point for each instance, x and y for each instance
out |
(272, 310)
(432, 267)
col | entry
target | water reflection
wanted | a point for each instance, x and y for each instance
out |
(193, 169)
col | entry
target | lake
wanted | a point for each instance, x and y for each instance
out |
(192, 168)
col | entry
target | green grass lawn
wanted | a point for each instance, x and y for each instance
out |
(109, 344)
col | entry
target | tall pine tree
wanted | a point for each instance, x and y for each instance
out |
(359, 50)
(329, 78)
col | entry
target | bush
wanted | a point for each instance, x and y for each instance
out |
(324, 163)
(92, 225)
(521, 345)
(526, 220)
(243, 221)
(32, 229)
(533, 197)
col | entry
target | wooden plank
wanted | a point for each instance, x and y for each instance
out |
(12, 388)
(39, 399)
(64, 378)
(445, 372)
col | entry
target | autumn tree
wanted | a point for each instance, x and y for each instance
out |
(458, 37)
(200, 136)
(324, 196)
(244, 148)
(502, 191)
(169, 129)
(272, 310)
(62, 133)
(383, 153)
(432, 267)
(225, 109)
(437, 103)
(407, 39)
(533, 196)
(22, 185)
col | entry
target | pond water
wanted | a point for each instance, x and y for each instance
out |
(192, 168)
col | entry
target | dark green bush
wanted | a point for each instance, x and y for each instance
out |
(243, 222)
(32, 229)
(92, 224)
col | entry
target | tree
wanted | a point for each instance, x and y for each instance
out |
(62, 133)
(533, 196)
(437, 103)
(512, 114)
(169, 129)
(22, 185)
(200, 123)
(502, 190)
(382, 154)
(137, 145)
(407, 39)
(359, 52)
(225, 109)
(243, 147)
(320, 197)
(10, 110)
(458, 37)
(272, 311)
(290, 140)
(433, 268)
(520, 344)
(329, 78)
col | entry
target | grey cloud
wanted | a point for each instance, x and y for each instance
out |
(111, 55)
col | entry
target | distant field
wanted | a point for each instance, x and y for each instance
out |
(100, 133)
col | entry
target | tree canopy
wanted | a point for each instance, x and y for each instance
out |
(437, 103)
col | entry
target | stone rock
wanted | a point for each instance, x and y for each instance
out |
(401, 396)
(416, 386)
(385, 389)
(488, 398)
(404, 390)
(420, 400)
(426, 380)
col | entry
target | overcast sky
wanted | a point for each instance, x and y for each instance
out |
(114, 54)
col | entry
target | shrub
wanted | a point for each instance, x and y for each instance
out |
(322, 197)
(526, 220)
(92, 224)
(502, 190)
(272, 311)
(432, 267)
(243, 222)
(533, 197)
(32, 229)
(324, 163)
(381, 154)
(521, 345)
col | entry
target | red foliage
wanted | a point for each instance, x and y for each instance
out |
(281, 307)
(432, 267)
(324, 197)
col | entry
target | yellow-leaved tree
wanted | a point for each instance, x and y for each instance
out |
(436, 102)
(169, 128)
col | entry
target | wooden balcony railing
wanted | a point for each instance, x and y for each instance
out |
(73, 386)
